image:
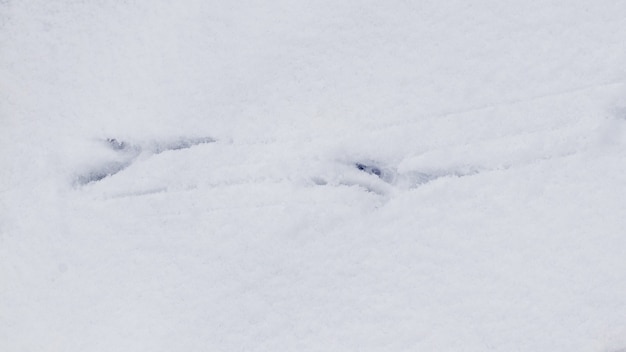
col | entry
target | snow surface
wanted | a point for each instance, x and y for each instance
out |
(312, 176)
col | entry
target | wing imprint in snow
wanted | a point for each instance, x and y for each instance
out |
(181, 143)
(126, 153)
(382, 179)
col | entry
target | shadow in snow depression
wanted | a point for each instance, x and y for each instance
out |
(181, 143)
(369, 175)
(406, 180)
(126, 154)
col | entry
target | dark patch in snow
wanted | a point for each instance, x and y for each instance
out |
(400, 180)
(125, 154)
(105, 170)
(372, 168)
(141, 193)
(319, 181)
(182, 143)
(369, 169)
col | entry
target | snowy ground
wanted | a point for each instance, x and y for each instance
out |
(312, 176)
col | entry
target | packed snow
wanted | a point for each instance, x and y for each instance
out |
(313, 176)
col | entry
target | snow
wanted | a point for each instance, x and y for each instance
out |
(312, 176)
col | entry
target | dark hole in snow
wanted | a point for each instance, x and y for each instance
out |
(373, 170)
(410, 179)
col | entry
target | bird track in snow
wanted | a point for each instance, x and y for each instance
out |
(126, 153)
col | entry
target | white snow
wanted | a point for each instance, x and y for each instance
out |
(186, 175)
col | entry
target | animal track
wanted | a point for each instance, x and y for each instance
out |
(382, 179)
(370, 175)
(116, 145)
(370, 167)
(409, 179)
(126, 153)
(178, 144)
(103, 171)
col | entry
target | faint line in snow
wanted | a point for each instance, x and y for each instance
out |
(513, 101)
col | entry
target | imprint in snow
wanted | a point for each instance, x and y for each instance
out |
(392, 178)
(103, 171)
(181, 143)
(414, 179)
(117, 145)
(372, 168)
(126, 153)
